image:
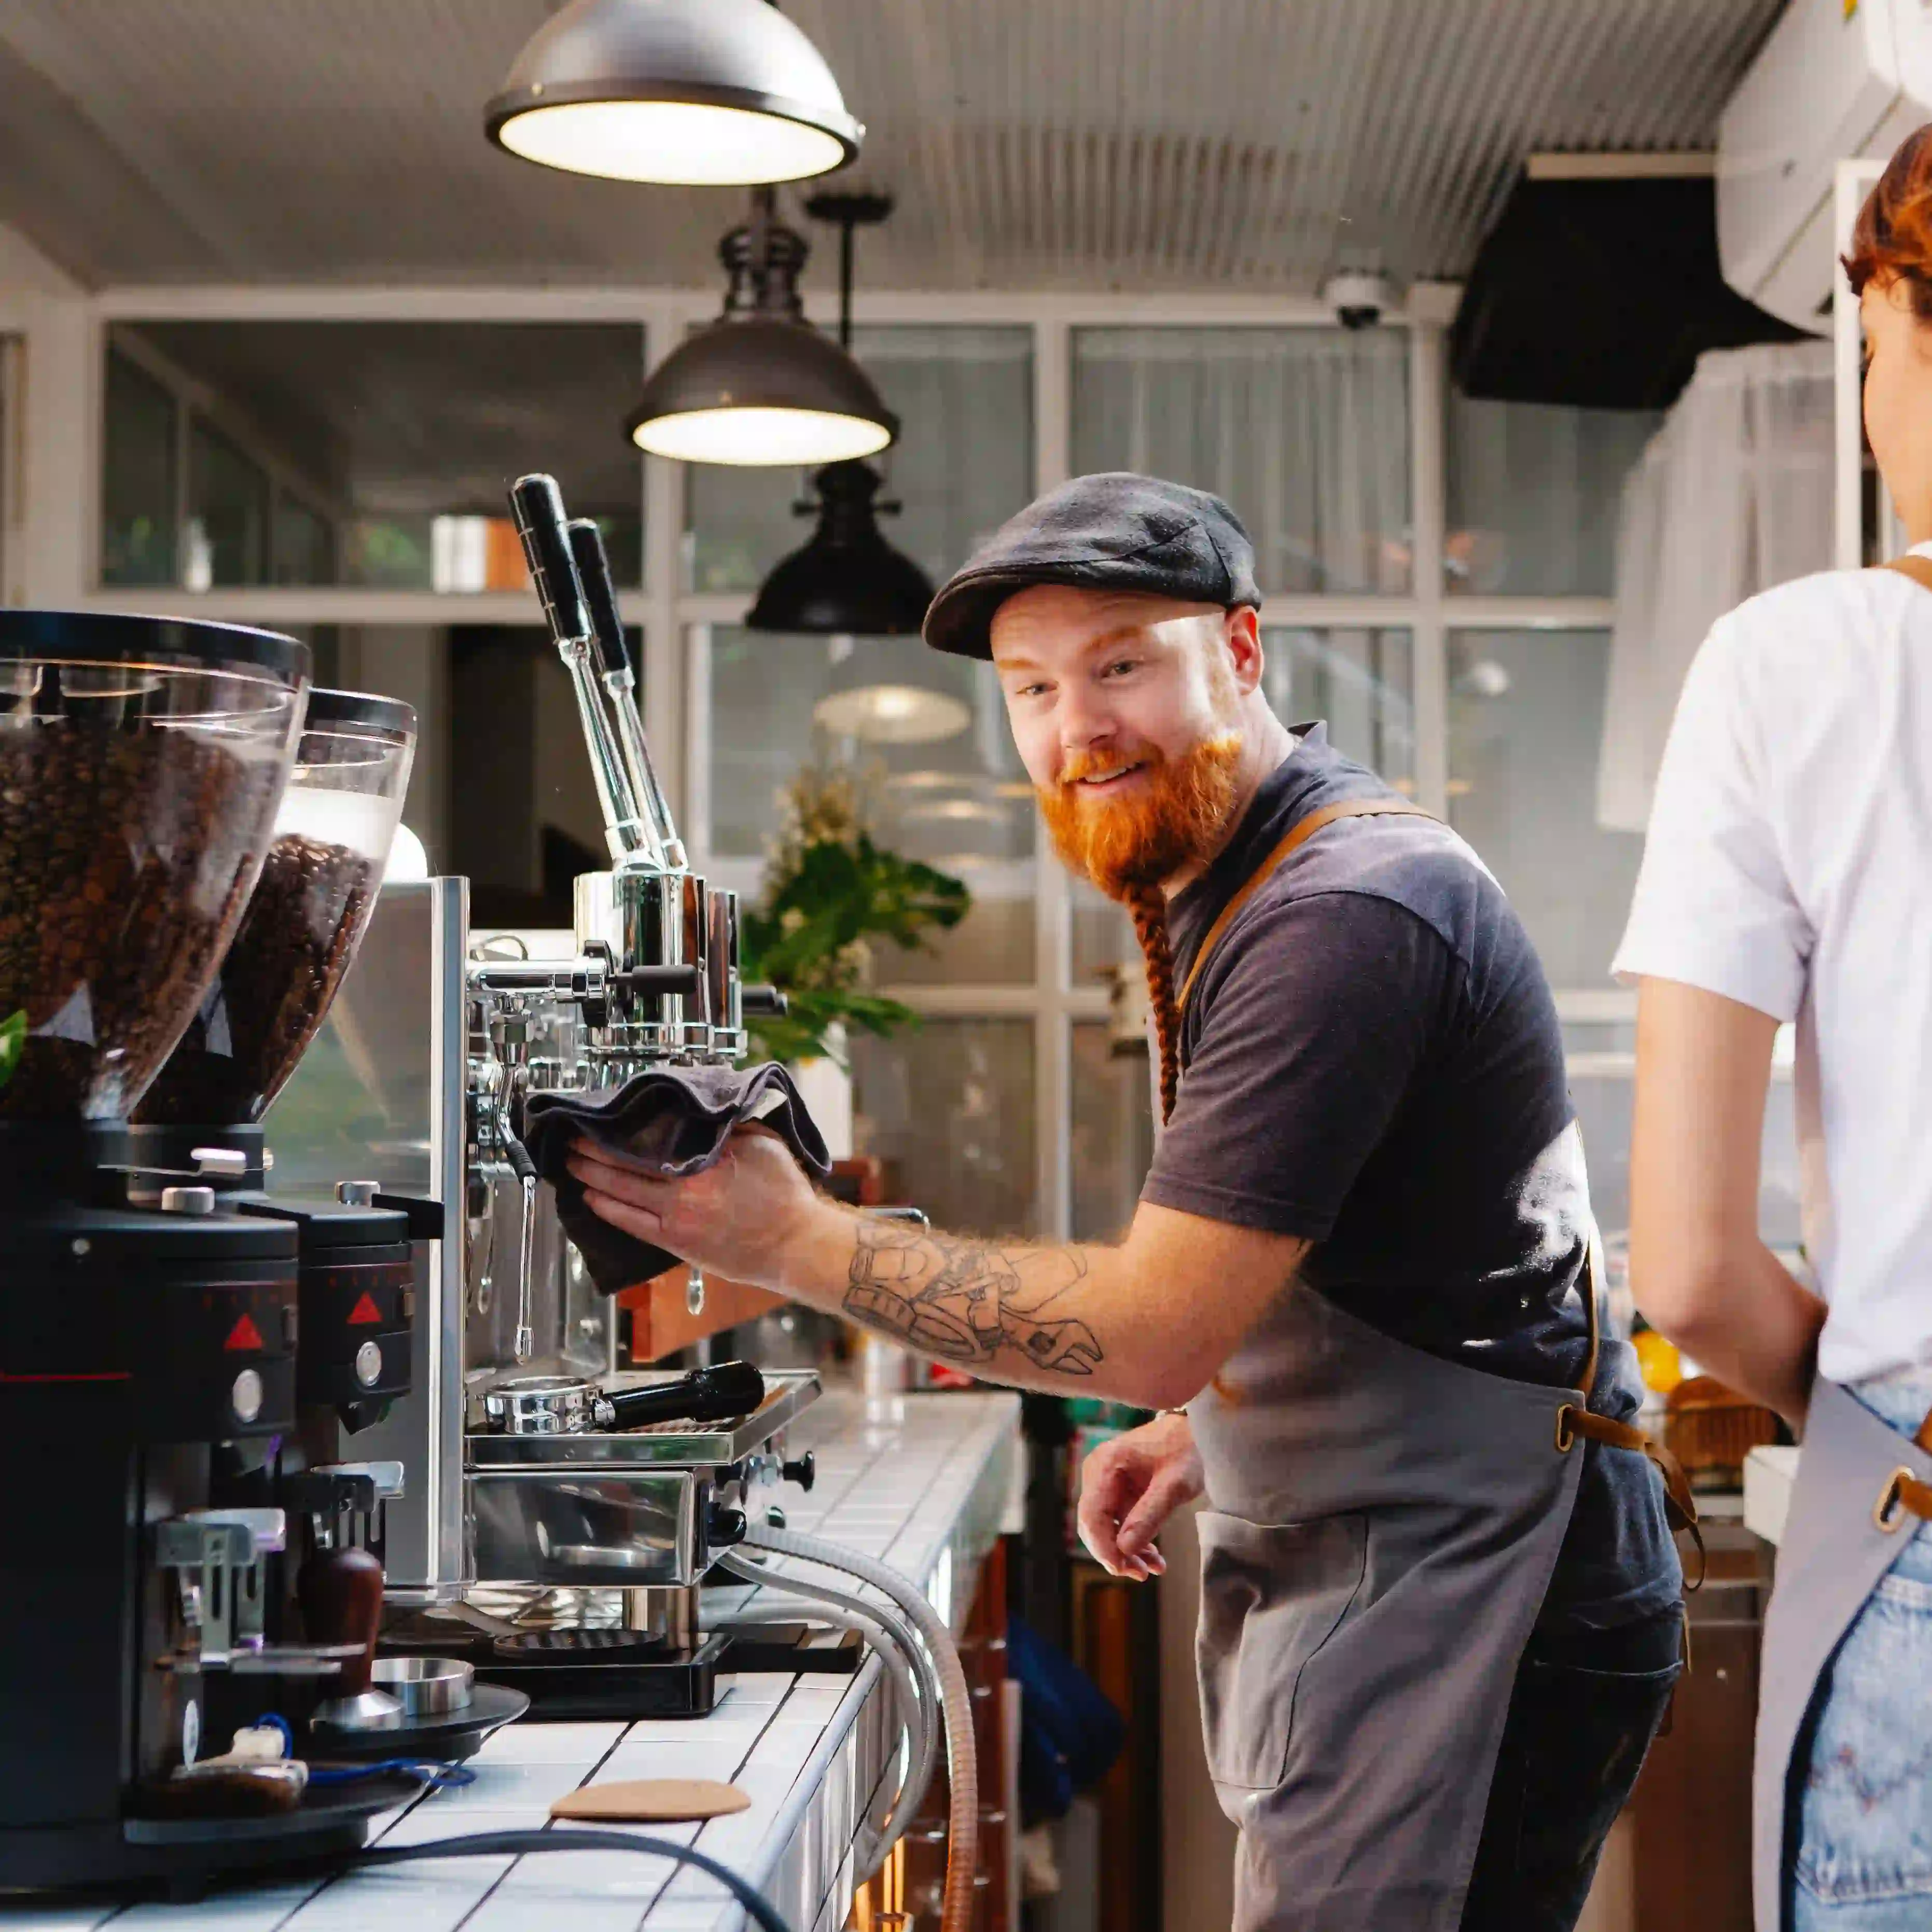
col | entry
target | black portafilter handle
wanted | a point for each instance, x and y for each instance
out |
(719, 1394)
(600, 594)
(537, 504)
(765, 1003)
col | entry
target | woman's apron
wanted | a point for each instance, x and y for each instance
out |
(1861, 1489)
(1382, 1530)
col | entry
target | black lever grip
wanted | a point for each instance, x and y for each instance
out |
(537, 507)
(680, 980)
(600, 595)
(719, 1394)
(765, 1003)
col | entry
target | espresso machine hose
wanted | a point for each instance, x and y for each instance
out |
(962, 1848)
(905, 1661)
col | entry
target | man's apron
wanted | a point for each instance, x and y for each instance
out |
(1382, 1530)
(1862, 1488)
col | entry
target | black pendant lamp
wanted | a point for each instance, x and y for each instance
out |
(761, 386)
(847, 580)
(693, 92)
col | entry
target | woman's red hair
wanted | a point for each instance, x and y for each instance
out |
(1892, 239)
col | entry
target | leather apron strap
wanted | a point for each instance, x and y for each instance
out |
(1299, 833)
(1572, 1421)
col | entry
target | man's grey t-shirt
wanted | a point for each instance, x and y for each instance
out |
(1374, 1063)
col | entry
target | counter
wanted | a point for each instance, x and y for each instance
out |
(926, 1492)
(1769, 1473)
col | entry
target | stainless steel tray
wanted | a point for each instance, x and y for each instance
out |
(788, 1393)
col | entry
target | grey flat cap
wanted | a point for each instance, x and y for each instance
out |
(1115, 531)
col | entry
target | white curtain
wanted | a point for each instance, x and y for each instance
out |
(1733, 495)
(1305, 431)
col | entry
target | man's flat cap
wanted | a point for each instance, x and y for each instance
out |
(1114, 531)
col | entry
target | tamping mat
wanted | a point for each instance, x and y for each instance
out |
(652, 1801)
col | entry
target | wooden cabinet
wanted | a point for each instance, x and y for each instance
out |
(1690, 1813)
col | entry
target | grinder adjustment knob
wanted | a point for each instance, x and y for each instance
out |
(804, 1472)
(724, 1526)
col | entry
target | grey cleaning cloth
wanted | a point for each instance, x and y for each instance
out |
(674, 1121)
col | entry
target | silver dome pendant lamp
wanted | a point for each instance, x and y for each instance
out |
(681, 92)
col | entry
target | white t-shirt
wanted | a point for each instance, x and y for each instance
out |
(1788, 866)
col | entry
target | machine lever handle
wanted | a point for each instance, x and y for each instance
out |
(537, 504)
(600, 597)
(765, 1003)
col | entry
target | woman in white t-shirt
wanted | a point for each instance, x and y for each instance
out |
(1788, 876)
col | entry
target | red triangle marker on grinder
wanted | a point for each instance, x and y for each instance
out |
(364, 1311)
(244, 1336)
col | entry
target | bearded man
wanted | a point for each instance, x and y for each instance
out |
(1440, 1605)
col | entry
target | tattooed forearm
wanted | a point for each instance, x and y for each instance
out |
(970, 1302)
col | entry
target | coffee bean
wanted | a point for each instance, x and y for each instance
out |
(295, 943)
(125, 860)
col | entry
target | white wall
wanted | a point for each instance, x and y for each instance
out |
(411, 661)
(52, 459)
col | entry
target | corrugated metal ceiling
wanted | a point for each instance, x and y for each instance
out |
(1092, 144)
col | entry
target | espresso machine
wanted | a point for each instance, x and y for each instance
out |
(150, 1342)
(558, 1514)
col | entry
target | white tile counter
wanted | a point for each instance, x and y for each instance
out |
(925, 1492)
(1769, 1473)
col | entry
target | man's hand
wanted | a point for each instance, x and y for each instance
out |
(738, 1220)
(1129, 1486)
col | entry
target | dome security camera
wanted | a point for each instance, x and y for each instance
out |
(1358, 300)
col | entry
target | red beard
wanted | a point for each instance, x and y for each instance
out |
(1178, 816)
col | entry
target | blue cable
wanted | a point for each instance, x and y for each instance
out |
(438, 1777)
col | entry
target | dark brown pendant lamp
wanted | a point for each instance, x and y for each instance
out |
(847, 580)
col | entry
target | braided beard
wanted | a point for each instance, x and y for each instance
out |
(1127, 847)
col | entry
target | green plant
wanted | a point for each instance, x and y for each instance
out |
(830, 890)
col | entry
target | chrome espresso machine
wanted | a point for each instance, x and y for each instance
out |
(558, 1514)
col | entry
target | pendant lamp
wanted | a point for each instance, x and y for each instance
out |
(690, 92)
(760, 386)
(847, 580)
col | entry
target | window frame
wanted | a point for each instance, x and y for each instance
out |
(64, 443)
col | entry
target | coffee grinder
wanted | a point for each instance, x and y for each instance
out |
(147, 1348)
(198, 1135)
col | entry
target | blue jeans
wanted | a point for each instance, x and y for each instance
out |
(1865, 1845)
(1582, 1714)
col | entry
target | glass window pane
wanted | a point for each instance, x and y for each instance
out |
(305, 543)
(956, 797)
(962, 465)
(227, 513)
(1525, 726)
(1360, 683)
(1113, 1133)
(1304, 431)
(949, 1105)
(137, 477)
(1534, 493)
(390, 444)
